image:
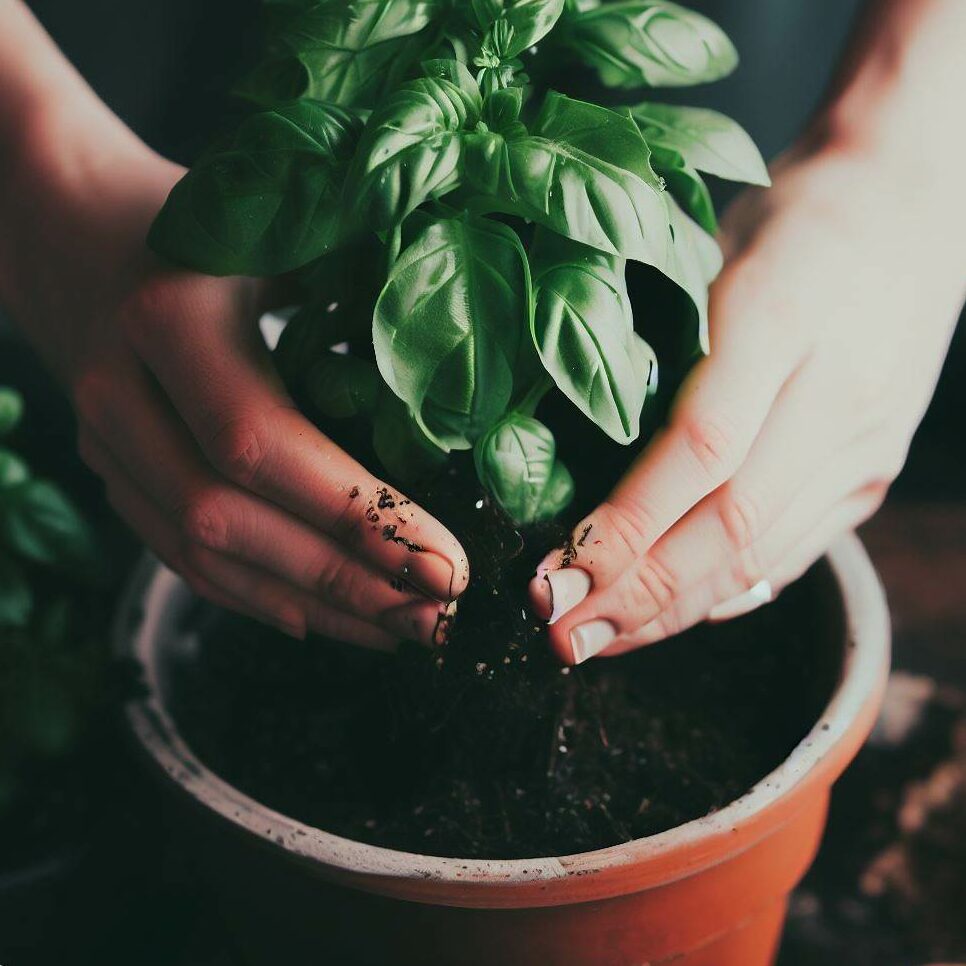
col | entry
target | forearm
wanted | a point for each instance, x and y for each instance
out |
(898, 96)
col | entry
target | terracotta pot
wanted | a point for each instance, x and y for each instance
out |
(709, 893)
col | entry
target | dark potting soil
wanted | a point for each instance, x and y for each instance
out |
(487, 748)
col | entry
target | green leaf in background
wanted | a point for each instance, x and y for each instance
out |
(39, 523)
(406, 452)
(517, 462)
(16, 599)
(341, 386)
(345, 52)
(529, 21)
(13, 470)
(11, 409)
(449, 325)
(412, 145)
(583, 327)
(706, 140)
(267, 203)
(652, 43)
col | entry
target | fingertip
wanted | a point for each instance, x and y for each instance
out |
(541, 596)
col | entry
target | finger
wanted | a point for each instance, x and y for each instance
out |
(701, 545)
(234, 585)
(715, 422)
(784, 560)
(228, 394)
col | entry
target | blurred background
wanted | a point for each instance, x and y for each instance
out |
(889, 887)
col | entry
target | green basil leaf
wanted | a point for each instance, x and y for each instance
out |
(270, 201)
(706, 141)
(501, 112)
(686, 185)
(13, 470)
(39, 523)
(528, 21)
(407, 453)
(449, 325)
(345, 53)
(11, 409)
(516, 461)
(653, 43)
(16, 599)
(583, 328)
(341, 386)
(412, 146)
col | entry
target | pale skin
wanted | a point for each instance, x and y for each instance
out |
(830, 324)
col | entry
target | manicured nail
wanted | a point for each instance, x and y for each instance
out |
(567, 589)
(588, 640)
(758, 596)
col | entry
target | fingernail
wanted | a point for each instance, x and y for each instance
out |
(444, 625)
(758, 596)
(588, 640)
(424, 622)
(433, 573)
(567, 589)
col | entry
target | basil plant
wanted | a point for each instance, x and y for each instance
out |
(402, 158)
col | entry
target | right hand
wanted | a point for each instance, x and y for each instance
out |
(182, 414)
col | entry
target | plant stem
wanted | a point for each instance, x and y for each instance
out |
(528, 404)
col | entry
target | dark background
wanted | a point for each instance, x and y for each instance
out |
(164, 66)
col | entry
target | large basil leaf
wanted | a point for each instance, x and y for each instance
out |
(11, 409)
(585, 174)
(16, 599)
(653, 43)
(449, 325)
(270, 201)
(39, 523)
(583, 327)
(705, 140)
(412, 146)
(346, 53)
(406, 452)
(517, 463)
(528, 21)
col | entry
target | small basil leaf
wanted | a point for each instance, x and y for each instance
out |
(16, 599)
(411, 148)
(706, 140)
(13, 470)
(686, 185)
(341, 386)
(269, 202)
(407, 453)
(11, 409)
(516, 461)
(652, 43)
(449, 324)
(350, 54)
(501, 112)
(583, 328)
(39, 523)
(525, 22)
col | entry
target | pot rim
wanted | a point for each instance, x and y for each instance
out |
(819, 757)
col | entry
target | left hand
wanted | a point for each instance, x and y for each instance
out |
(829, 327)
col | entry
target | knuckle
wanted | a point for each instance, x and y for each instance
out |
(711, 441)
(147, 312)
(237, 450)
(204, 520)
(653, 582)
(631, 523)
(334, 579)
(740, 517)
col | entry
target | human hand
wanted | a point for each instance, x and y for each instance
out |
(182, 414)
(829, 326)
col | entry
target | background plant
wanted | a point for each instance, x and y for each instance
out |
(51, 665)
(401, 160)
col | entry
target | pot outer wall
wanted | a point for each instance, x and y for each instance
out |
(710, 893)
